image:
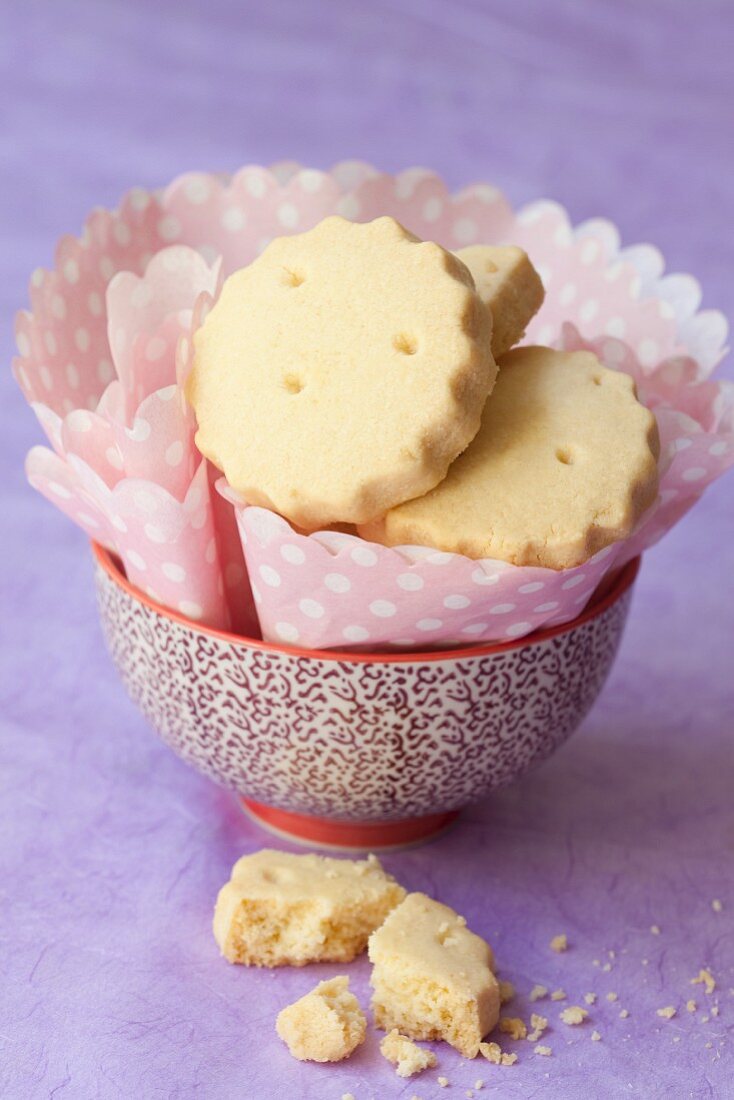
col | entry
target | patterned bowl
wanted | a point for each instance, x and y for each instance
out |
(357, 750)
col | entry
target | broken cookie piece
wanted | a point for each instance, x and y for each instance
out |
(509, 285)
(432, 977)
(408, 1058)
(280, 909)
(325, 1025)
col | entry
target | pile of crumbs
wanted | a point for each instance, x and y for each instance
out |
(573, 1015)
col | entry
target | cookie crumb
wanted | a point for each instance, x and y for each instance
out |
(667, 1013)
(709, 1046)
(715, 1010)
(407, 1057)
(595, 1037)
(624, 1014)
(705, 1019)
(607, 967)
(655, 929)
(612, 954)
(559, 943)
(544, 1051)
(513, 1026)
(538, 992)
(691, 1006)
(508, 1059)
(645, 962)
(717, 906)
(676, 1038)
(558, 995)
(590, 998)
(492, 1052)
(705, 978)
(469, 1094)
(443, 1082)
(611, 996)
(507, 992)
(596, 962)
(539, 1023)
(479, 1084)
(574, 1015)
(347, 1095)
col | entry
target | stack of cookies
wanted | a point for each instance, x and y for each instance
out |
(355, 377)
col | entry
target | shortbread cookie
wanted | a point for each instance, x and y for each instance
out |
(432, 977)
(326, 1025)
(564, 464)
(280, 909)
(507, 282)
(341, 372)
(407, 1058)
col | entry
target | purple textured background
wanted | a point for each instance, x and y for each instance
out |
(111, 851)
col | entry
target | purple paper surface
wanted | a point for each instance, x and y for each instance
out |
(111, 850)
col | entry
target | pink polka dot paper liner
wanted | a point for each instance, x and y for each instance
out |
(97, 360)
(127, 471)
(331, 590)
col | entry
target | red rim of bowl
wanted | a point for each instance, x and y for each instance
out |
(622, 582)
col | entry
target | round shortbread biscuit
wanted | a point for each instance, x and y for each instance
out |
(564, 464)
(341, 372)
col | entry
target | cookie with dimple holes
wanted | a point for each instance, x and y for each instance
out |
(342, 372)
(509, 285)
(565, 463)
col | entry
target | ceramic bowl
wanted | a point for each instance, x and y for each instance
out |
(357, 750)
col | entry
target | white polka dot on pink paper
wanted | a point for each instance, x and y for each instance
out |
(191, 609)
(465, 231)
(383, 609)
(233, 219)
(337, 582)
(517, 629)
(287, 632)
(173, 572)
(410, 582)
(694, 473)
(349, 207)
(270, 576)
(292, 554)
(355, 633)
(312, 609)
(432, 209)
(480, 577)
(362, 555)
(456, 602)
(154, 533)
(426, 625)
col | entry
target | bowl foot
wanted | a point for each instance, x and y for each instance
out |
(325, 832)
